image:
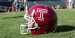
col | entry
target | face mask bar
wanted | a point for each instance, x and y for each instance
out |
(24, 28)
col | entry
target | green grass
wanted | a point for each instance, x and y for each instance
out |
(10, 23)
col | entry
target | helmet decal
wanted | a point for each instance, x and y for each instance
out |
(41, 11)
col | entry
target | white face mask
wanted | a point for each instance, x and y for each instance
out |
(28, 24)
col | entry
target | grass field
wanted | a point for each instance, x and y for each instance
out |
(10, 23)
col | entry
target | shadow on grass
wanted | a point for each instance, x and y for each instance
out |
(65, 28)
(12, 17)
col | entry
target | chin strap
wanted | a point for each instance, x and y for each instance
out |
(55, 28)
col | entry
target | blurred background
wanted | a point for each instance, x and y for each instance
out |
(10, 5)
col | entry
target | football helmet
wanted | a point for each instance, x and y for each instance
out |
(41, 19)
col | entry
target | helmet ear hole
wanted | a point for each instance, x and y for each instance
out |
(34, 15)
